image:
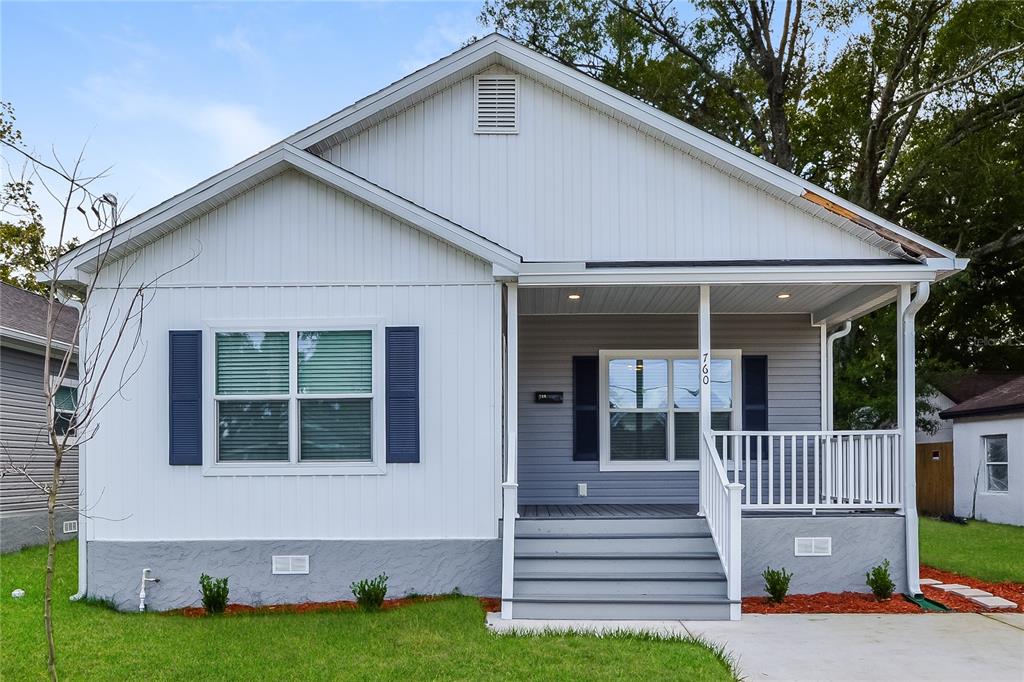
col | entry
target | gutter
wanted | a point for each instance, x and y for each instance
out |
(830, 378)
(83, 555)
(908, 422)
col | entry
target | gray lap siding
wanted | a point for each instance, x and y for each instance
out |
(547, 343)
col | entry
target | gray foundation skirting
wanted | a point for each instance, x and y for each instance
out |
(28, 529)
(858, 543)
(413, 566)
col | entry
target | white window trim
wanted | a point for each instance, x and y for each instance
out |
(984, 459)
(55, 383)
(293, 467)
(605, 461)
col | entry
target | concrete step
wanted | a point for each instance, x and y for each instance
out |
(588, 563)
(629, 543)
(598, 526)
(529, 584)
(605, 607)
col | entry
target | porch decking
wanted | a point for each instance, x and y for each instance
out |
(606, 511)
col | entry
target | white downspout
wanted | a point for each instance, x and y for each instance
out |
(83, 555)
(908, 422)
(830, 380)
(510, 488)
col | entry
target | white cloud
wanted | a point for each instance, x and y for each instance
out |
(239, 43)
(446, 33)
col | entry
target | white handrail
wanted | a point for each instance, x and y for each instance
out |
(720, 503)
(814, 469)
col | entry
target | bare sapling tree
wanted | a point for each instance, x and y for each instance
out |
(106, 350)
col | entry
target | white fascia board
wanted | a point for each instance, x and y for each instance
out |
(271, 162)
(33, 342)
(578, 274)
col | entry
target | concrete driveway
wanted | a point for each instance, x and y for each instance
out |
(879, 648)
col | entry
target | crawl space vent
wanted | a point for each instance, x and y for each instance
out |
(813, 547)
(290, 565)
(497, 104)
(70, 527)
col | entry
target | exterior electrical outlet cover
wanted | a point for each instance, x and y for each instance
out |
(290, 565)
(581, 489)
(812, 546)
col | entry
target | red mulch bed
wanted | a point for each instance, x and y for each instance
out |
(488, 604)
(830, 602)
(1012, 591)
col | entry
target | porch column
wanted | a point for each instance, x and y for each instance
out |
(906, 397)
(510, 488)
(704, 373)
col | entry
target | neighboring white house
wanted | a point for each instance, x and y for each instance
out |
(988, 453)
(500, 327)
(26, 459)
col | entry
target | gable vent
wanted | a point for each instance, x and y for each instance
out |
(497, 104)
(812, 547)
(290, 565)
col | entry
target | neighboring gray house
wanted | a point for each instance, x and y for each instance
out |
(500, 327)
(24, 419)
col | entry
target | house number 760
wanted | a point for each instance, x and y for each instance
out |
(705, 368)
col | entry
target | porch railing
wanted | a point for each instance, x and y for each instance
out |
(720, 506)
(814, 469)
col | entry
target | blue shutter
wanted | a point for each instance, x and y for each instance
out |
(755, 393)
(402, 393)
(585, 378)
(185, 357)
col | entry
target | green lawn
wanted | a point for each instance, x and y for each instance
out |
(989, 551)
(434, 640)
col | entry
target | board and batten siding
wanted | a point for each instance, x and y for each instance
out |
(23, 432)
(293, 249)
(576, 184)
(547, 344)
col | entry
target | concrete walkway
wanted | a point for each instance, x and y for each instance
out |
(879, 648)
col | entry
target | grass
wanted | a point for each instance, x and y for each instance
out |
(443, 639)
(988, 551)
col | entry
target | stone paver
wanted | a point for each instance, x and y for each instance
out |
(971, 592)
(930, 581)
(994, 602)
(950, 587)
(847, 647)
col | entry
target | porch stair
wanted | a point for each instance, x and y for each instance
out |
(633, 568)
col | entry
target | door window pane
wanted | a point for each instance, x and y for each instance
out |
(638, 436)
(335, 429)
(254, 430)
(335, 362)
(252, 363)
(637, 383)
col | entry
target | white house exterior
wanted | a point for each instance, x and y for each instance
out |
(489, 291)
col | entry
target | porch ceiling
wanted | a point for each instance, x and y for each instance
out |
(825, 302)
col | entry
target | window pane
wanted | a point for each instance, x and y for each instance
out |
(638, 436)
(335, 362)
(997, 478)
(687, 429)
(252, 362)
(638, 383)
(335, 429)
(685, 384)
(65, 399)
(995, 448)
(255, 430)
(62, 423)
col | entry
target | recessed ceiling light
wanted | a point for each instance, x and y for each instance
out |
(574, 297)
(784, 296)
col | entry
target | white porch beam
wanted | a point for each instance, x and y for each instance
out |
(510, 488)
(704, 352)
(853, 305)
(907, 414)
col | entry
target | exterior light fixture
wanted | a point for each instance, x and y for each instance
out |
(574, 297)
(783, 296)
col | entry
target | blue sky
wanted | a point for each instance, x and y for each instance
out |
(167, 94)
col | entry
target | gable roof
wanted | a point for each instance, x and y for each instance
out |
(962, 387)
(23, 317)
(1007, 396)
(496, 49)
(178, 210)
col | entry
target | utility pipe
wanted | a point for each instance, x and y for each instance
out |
(908, 421)
(830, 380)
(142, 588)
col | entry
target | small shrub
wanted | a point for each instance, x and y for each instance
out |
(215, 593)
(370, 593)
(776, 583)
(880, 581)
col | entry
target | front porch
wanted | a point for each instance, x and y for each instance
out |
(644, 442)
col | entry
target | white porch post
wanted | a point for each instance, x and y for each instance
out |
(510, 488)
(704, 351)
(907, 415)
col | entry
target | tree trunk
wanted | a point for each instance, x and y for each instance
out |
(51, 555)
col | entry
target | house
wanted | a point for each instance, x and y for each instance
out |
(24, 420)
(500, 327)
(987, 425)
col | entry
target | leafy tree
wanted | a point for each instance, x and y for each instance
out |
(916, 117)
